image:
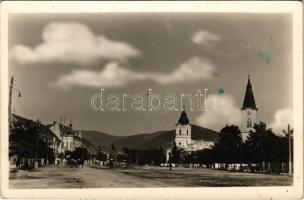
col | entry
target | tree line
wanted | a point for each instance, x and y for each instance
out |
(261, 147)
(154, 156)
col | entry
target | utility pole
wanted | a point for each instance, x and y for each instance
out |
(36, 144)
(48, 146)
(241, 151)
(289, 146)
(10, 104)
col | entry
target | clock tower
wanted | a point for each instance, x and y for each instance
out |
(249, 111)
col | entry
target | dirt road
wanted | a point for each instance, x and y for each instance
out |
(92, 177)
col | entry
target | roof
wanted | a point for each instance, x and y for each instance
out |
(25, 121)
(249, 101)
(201, 133)
(65, 130)
(22, 120)
(183, 120)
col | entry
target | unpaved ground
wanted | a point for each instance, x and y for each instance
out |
(93, 177)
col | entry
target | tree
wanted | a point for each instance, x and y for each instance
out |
(101, 156)
(151, 156)
(113, 156)
(264, 146)
(205, 156)
(175, 152)
(228, 147)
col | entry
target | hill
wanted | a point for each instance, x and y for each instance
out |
(145, 141)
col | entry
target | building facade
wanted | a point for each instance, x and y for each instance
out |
(69, 138)
(41, 131)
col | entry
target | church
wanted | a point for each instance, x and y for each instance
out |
(184, 141)
(69, 138)
(248, 112)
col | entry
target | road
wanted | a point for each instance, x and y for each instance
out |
(95, 177)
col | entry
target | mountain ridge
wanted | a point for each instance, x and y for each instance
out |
(144, 141)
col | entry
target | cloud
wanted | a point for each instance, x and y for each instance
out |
(282, 118)
(113, 75)
(194, 69)
(221, 110)
(72, 42)
(204, 37)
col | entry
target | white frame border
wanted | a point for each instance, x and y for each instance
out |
(293, 7)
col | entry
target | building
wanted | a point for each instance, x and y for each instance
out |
(69, 138)
(184, 138)
(248, 111)
(43, 133)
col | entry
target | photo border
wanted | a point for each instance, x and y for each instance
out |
(277, 192)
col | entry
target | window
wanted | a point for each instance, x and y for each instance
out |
(179, 143)
(187, 131)
(180, 131)
(249, 125)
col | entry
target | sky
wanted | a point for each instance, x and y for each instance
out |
(61, 61)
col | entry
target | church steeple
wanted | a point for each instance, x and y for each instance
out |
(183, 120)
(249, 101)
(183, 131)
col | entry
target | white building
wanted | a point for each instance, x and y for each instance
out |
(69, 139)
(248, 112)
(183, 137)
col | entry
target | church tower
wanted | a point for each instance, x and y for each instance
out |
(183, 131)
(249, 111)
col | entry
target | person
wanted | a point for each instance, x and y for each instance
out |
(18, 163)
(111, 163)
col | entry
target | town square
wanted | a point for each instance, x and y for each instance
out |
(111, 102)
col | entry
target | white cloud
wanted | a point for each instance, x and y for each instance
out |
(113, 75)
(72, 42)
(282, 118)
(204, 37)
(194, 69)
(221, 111)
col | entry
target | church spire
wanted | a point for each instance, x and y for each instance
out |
(183, 120)
(249, 101)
